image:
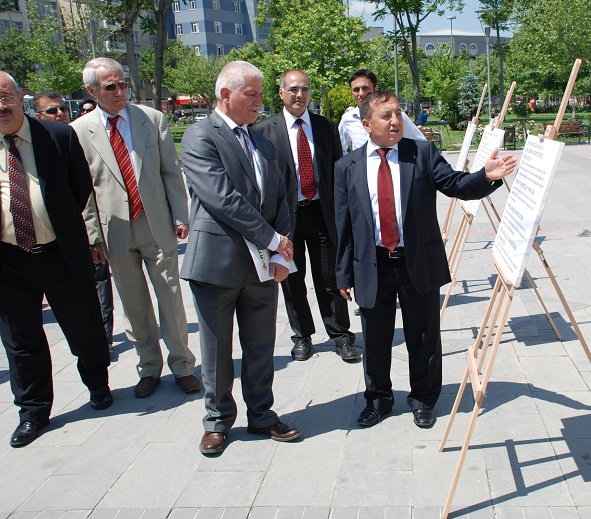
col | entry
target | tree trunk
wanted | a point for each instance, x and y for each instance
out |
(501, 85)
(131, 63)
(161, 37)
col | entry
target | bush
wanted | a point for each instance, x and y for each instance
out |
(449, 105)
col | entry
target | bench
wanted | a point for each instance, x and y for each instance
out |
(431, 136)
(572, 128)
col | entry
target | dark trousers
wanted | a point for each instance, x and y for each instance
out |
(24, 279)
(311, 233)
(420, 315)
(104, 291)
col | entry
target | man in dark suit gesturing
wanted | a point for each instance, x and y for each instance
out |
(237, 194)
(44, 186)
(307, 147)
(389, 246)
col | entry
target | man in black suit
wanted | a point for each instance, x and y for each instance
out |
(309, 144)
(44, 251)
(389, 247)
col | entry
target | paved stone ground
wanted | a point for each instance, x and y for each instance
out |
(531, 451)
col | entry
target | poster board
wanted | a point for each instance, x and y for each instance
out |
(465, 146)
(491, 138)
(525, 205)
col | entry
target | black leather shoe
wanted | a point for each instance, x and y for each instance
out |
(26, 432)
(279, 432)
(101, 398)
(370, 416)
(348, 352)
(302, 349)
(424, 418)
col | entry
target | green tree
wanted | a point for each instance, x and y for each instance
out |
(470, 91)
(340, 98)
(317, 38)
(438, 71)
(12, 58)
(409, 14)
(58, 67)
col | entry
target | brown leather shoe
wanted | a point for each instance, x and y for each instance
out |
(278, 432)
(189, 384)
(212, 442)
(146, 386)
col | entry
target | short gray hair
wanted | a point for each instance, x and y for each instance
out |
(90, 73)
(13, 81)
(234, 75)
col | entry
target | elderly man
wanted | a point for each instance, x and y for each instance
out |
(392, 183)
(44, 251)
(237, 195)
(140, 212)
(307, 147)
(51, 106)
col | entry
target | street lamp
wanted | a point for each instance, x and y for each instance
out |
(493, 13)
(396, 61)
(487, 37)
(451, 26)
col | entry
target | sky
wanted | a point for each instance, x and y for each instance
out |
(467, 20)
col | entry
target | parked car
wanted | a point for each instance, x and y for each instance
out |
(199, 117)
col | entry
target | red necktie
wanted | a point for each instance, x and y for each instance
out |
(307, 183)
(124, 161)
(386, 203)
(20, 202)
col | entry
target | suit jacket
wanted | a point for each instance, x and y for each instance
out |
(66, 186)
(226, 205)
(159, 177)
(423, 172)
(327, 150)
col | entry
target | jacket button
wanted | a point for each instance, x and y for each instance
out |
(295, 209)
(375, 264)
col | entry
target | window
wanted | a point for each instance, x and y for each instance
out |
(192, 5)
(236, 7)
(136, 37)
(215, 4)
(463, 48)
(264, 31)
(429, 49)
(445, 49)
(473, 49)
(194, 27)
(176, 6)
(197, 50)
(179, 29)
(219, 50)
(238, 28)
(217, 27)
(153, 40)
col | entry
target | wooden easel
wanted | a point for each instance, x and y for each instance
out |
(463, 232)
(464, 167)
(495, 319)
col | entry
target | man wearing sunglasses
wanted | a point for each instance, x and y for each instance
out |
(50, 106)
(86, 106)
(138, 214)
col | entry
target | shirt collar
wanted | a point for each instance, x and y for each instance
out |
(372, 147)
(290, 119)
(124, 114)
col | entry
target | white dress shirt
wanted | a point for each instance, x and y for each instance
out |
(373, 163)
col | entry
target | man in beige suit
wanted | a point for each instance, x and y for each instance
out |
(139, 212)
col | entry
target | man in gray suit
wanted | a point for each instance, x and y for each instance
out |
(140, 212)
(237, 194)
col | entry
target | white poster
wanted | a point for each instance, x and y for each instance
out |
(525, 206)
(491, 138)
(465, 146)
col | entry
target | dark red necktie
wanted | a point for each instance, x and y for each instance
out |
(124, 161)
(307, 183)
(20, 201)
(387, 203)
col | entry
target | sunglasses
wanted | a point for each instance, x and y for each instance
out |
(53, 110)
(111, 87)
(85, 110)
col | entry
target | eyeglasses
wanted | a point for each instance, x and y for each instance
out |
(85, 110)
(294, 90)
(8, 100)
(53, 110)
(111, 87)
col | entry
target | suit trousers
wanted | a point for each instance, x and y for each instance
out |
(311, 233)
(141, 326)
(104, 291)
(24, 279)
(420, 315)
(255, 306)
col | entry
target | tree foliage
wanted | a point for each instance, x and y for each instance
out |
(409, 14)
(470, 91)
(12, 58)
(340, 98)
(438, 71)
(317, 38)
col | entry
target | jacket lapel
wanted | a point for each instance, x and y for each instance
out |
(100, 142)
(359, 175)
(139, 135)
(284, 146)
(407, 158)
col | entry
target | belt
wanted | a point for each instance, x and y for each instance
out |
(305, 202)
(37, 249)
(397, 253)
